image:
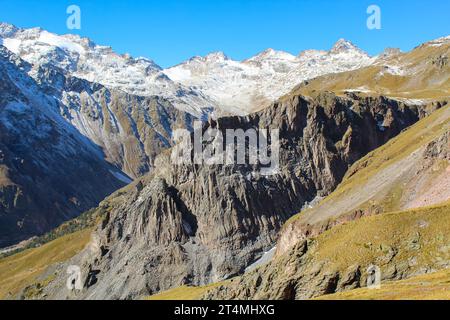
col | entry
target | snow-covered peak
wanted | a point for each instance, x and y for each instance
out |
(311, 54)
(210, 58)
(243, 86)
(231, 86)
(218, 56)
(345, 46)
(82, 58)
(7, 30)
(271, 54)
(36, 45)
(439, 42)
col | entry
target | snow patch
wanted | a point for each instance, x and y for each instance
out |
(266, 257)
(439, 42)
(12, 45)
(359, 89)
(60, 42)
(121, 177)
(395, 70)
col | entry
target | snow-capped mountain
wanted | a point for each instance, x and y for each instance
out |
(250, 84)
(82, 58)
(66, 142)
(94, 91)
(213, 81)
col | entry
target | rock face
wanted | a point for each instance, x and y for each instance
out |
(310, 269)
(311, 262)
(198, 223)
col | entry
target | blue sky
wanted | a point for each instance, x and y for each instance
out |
(171, 31)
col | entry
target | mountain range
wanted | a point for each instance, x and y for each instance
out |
(363, 140)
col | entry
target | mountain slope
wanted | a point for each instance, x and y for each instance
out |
(130, 129)
(423, 73)
(49, 172)
(319, 251)
(402, 244)
(197, 224)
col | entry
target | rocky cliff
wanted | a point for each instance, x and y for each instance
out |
(398, 196)
(191, 224)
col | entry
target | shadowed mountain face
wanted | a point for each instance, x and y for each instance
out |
(130, 129)
(67, 143)
(49, 172)
(197, 224)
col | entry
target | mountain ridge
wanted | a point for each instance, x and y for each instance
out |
(84, 59)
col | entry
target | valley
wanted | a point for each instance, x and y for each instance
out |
(87, 178)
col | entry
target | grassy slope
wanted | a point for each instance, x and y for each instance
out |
(425, 80)
(393, 151)
(433, 286)
(422, 233)
(184, 292)
(21, 269)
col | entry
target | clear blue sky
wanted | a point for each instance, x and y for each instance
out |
(170, 31)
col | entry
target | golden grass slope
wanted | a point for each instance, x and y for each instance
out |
(184, 292)
(402, 244)
(434, 286)
(423, 73)
(19, 270)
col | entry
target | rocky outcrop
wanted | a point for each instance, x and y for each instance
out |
(196, 224)
(313, 268)
(410, 179)
(324, 250)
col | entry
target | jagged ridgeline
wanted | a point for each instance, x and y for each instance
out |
(194, 225)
